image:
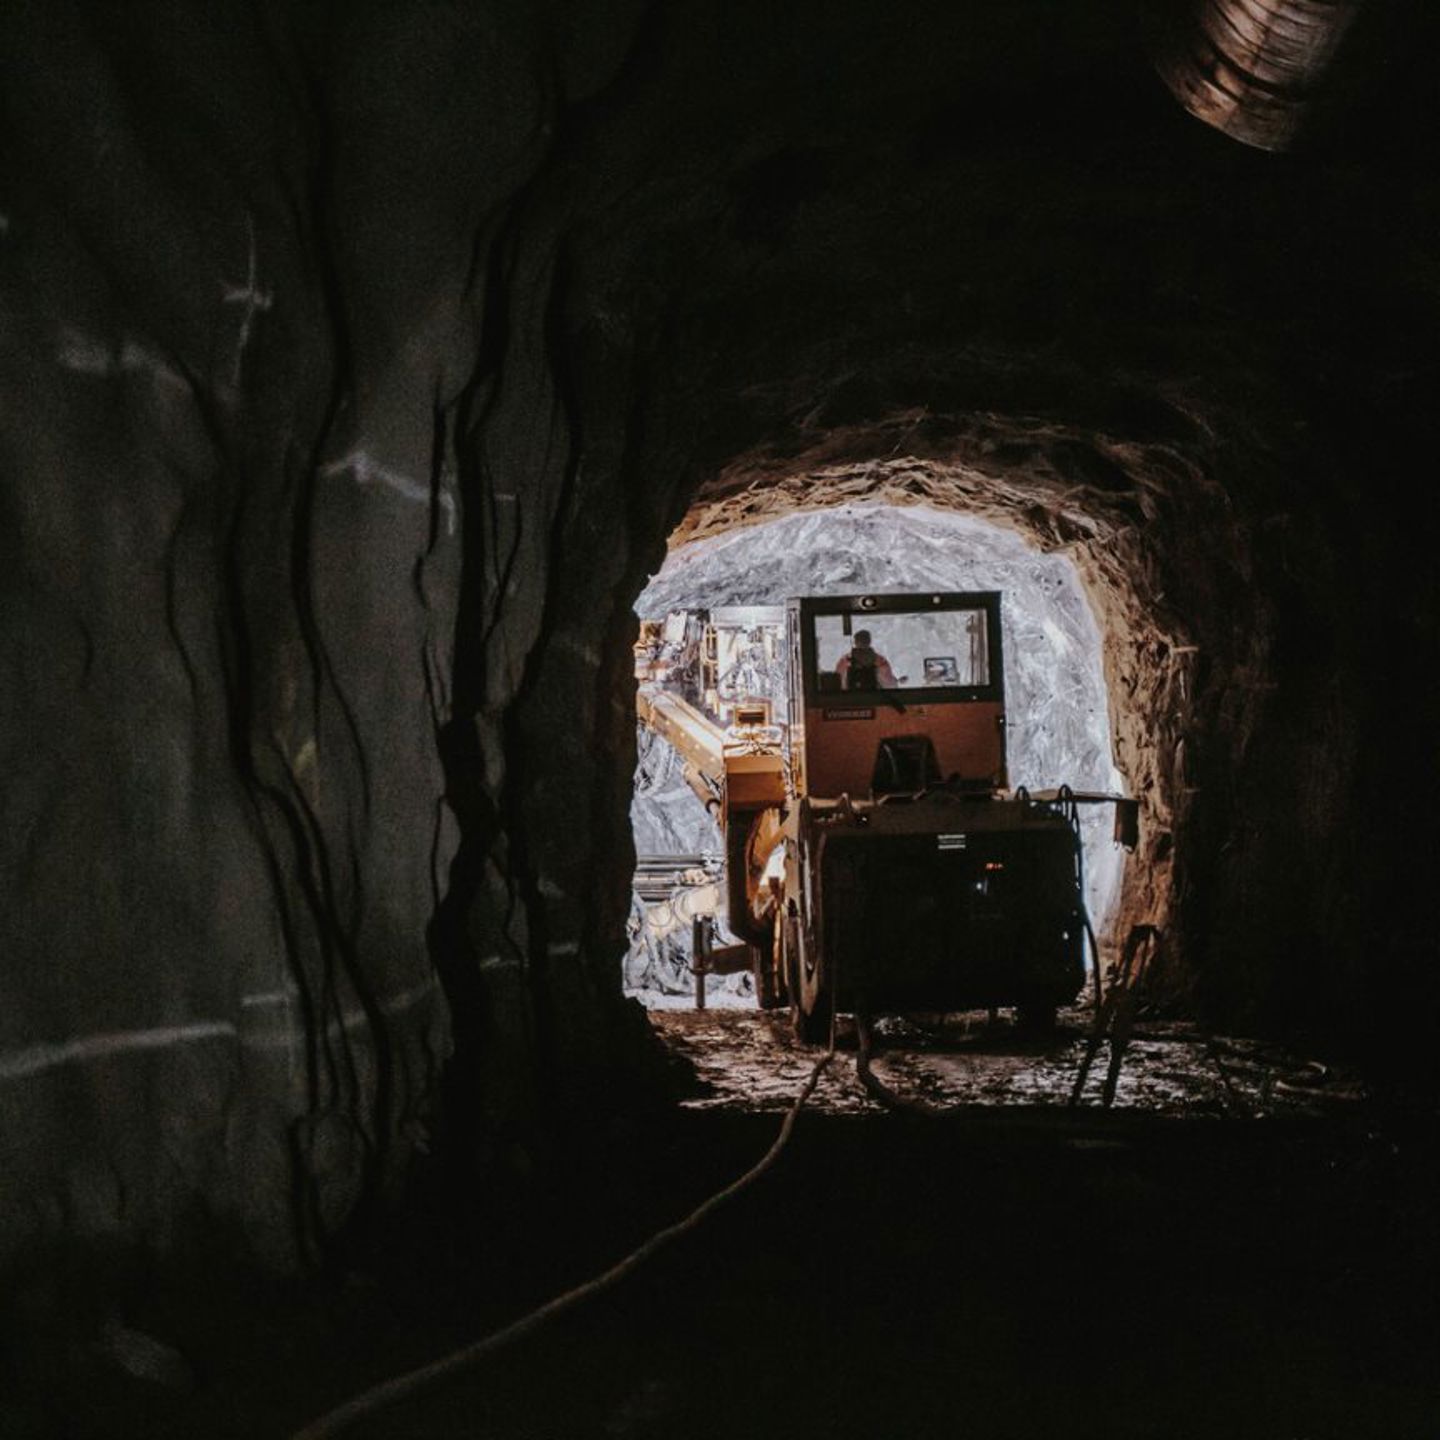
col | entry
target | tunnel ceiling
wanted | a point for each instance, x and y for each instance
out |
(360, 361)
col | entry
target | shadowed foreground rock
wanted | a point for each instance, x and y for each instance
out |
(1199, 1260)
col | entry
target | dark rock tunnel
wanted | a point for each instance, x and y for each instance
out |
(360, 362)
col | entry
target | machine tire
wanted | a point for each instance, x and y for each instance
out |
(810, 1004)
(811, 1029)
(769, 987)
(784, 990)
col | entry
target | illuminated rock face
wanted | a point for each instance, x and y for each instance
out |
(356, 368)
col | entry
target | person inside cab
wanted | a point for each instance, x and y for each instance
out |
(864, 667)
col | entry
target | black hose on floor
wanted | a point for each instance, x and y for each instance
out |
(402, 1386)
(1115, 1016)
(875, 1086)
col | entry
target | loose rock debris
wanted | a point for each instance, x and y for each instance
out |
(748, 1060)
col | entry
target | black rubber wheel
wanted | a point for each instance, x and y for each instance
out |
(811, 1029)
(810, 1003)
(769, 988)
(784, 989)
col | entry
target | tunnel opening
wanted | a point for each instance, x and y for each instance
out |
(713, 634)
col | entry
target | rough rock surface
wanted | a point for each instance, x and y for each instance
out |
(357, 363)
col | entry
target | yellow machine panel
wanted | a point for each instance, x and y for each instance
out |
(753, 781)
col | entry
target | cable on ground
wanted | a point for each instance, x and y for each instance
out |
(875, 1086)
(1115, 1016)
(390, 1392)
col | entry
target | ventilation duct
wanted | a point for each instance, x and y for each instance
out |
(1250, 68)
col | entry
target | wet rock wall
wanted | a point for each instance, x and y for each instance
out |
(246, 256)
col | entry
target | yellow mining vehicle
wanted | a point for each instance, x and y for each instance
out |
(876, 860)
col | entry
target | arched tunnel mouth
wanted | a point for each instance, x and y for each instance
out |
(1110, 522)
(1097, 666)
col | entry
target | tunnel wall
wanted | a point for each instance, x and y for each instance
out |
(357, 367)
(245, 265)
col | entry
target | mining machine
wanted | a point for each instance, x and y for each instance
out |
(876, 860)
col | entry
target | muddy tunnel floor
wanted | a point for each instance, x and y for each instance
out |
(1245, 1245)
(745, 1059)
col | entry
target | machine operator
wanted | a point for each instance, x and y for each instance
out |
(864, 667)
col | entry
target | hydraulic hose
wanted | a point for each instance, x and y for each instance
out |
(391, 1392)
